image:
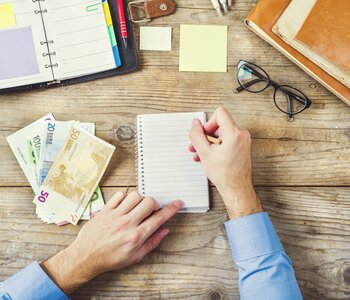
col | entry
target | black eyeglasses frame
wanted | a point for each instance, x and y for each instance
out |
(306, 101)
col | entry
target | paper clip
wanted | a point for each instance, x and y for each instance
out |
(92, 7)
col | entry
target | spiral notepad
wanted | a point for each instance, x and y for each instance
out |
(165, 168)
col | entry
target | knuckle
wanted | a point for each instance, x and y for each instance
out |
(120, 194)
(242, 135)
(125, 221)
(153, 203)
(136, 237)
(192, 132)
(247, 135)
(136, 194)
(155, 244)
(160, 218)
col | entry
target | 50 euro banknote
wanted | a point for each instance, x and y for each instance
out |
(74, 176)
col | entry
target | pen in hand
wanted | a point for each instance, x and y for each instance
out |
(213, 140)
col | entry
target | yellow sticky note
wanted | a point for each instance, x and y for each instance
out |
(203, 48)
(7, 15)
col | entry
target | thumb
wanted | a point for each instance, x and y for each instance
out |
(198, 138)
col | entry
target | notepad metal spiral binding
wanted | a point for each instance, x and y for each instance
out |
(47, 42)
(140, 169)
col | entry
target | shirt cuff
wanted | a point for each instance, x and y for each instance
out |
(33, 283)
(252, 236)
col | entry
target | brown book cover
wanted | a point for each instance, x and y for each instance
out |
(326, 31)
(261, 20)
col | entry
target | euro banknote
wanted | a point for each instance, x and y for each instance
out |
(36, 147)
(74, 176)
(19, 145)
(56, 133)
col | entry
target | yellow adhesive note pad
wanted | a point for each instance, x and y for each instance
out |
(203, 48)
(7, 15)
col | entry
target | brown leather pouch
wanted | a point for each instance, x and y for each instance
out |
(151, 9)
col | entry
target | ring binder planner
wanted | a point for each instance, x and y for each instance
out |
(71, 44)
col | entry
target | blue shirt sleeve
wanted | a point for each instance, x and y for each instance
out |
(265, 271)
(31, 283)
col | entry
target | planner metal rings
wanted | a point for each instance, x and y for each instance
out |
(40, 11)
(49, 53)
(46, 42)
(51, 66)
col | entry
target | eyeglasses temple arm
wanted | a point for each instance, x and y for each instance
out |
(257, 74)
(289, 106)
(295, 96)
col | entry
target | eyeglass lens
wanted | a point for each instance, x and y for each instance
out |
(252, 78)
(290, 100)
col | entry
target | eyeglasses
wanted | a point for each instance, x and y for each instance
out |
(287, 99)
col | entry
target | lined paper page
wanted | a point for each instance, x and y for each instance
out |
(25, 17)
(166, 170)
(81, 38)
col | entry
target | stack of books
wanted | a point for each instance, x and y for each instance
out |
(313, 34)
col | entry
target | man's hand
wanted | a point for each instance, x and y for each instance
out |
(228, 166)
(121, 234)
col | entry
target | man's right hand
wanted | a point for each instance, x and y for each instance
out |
(228, 166)
(121, 234)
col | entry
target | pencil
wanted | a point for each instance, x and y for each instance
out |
(214, 140)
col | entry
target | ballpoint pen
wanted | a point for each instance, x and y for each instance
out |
(213, 140)
(122, 23)
(216, 5)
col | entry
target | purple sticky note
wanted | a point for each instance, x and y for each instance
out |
(17, 53)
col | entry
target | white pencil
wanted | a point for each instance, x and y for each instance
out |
(224, 5)
(216, 5)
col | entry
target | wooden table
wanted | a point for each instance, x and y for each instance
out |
(301, 170)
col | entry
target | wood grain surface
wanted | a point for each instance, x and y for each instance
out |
(301, 169)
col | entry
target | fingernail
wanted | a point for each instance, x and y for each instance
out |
(164, 232)
(119, 194)
(179, 204)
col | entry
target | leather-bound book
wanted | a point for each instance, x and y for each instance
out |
(326, 31)
(262, 19)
